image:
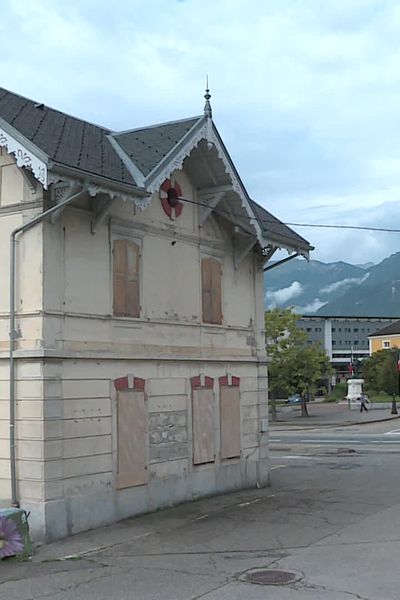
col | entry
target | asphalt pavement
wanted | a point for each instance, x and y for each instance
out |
(329, 518)
(329, 414)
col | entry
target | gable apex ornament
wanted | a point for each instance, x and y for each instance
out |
(208, 115)
(207, 106)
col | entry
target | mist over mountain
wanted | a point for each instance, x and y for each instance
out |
(336, 289)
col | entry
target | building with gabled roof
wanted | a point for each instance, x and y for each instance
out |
(132, 264)
(385, 338)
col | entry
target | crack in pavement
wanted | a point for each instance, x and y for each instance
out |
(322, 588)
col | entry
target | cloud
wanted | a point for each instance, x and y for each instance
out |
(310, 308)
(279, 297)
(304, 94)
(343, 284)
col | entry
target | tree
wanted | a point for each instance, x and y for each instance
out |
(380, 371)
(293, 365)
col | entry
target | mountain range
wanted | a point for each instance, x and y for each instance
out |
(336, 289)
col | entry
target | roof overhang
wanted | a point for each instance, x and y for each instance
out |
(26, 154)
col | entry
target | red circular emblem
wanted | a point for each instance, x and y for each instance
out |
(170, 194)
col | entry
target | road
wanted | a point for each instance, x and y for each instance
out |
(375, 437)
(332, 517)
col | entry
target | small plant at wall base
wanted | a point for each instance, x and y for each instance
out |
(294, 366)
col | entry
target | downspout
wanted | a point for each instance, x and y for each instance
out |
(13, 333)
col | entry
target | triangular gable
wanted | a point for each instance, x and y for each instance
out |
(157, 151)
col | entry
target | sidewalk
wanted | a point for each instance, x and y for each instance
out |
(341, 538)
(329, 414)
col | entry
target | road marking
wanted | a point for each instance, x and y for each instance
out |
(302, 457)
(278, 467)
(393, 432)
(249, 502)
(333, 441)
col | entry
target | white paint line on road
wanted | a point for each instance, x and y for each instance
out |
(249, 502)
(278, 467)
(302, 457)
(333, 441)
(393, 432)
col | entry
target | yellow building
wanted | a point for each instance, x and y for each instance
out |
(385, 338)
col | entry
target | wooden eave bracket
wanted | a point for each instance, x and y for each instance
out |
(59, 191)
(210, 197)
(243, 244)
(101, 208)
(268, 252)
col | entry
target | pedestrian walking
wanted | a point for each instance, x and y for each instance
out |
(363, 404)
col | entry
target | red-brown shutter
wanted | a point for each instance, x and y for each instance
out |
(206, 282)
(132, 279)
(119, 276)
(216, 280)
(126, 278)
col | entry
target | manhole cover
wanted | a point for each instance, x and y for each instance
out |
(270, 577)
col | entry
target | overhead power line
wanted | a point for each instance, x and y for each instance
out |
(314, 225)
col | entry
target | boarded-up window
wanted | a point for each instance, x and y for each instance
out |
(132, 439)
(230, 417)
(126, 275)
(211, 277)
(203, 421)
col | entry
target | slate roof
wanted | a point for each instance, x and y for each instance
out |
(149, 145)
(392, 329)
(274, 228)
(65, 139)
(77, 143)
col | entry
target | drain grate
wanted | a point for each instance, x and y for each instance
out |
(270, 577)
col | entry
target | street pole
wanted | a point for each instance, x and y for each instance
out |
(394, 407)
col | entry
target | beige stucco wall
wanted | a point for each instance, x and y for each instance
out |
(72, 348)
(20, 200)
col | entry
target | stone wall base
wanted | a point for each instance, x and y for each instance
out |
(56, 519)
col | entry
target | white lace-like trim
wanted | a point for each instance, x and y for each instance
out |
(94, 189)
(24, 158)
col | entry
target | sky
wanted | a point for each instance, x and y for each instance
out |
(305, 94)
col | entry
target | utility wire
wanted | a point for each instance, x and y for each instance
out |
(278, 222)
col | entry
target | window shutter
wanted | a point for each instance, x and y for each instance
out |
(132, 439)
(119, 270)
(216, 280)
(230, 421)
(132, 280)
(126, 278)
(206, 282)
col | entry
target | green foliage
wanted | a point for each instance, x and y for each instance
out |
(380, 371)
(338, 392)
(294, 366)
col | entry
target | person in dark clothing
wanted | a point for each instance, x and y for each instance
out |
(363, 403)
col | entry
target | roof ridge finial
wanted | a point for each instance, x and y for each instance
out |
(207, 106)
